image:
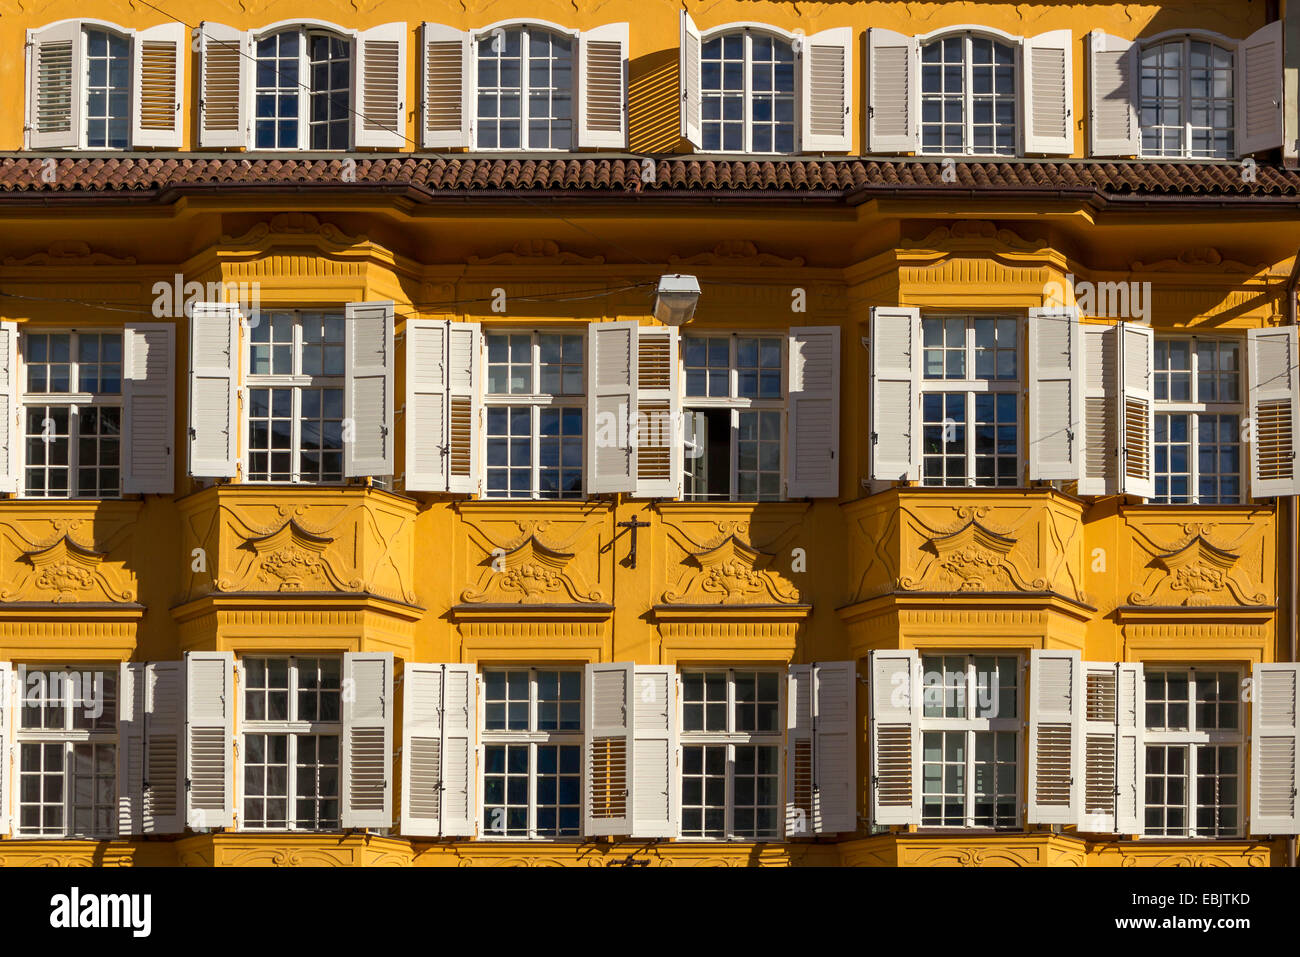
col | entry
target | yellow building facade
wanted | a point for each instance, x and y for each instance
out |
(355, 478)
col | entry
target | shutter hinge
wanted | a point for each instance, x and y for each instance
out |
(861, 679)
(875, 437)
(866, 342)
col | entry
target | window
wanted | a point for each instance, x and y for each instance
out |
(67, 754)
(1198, 414)
(1193, 753)
(108, 85)
(1187, 100)
(970, 401)
(731, 754)
(525, 90)
(968, 96)
(72, 414)
(290, 732)
(534, 404)
(532, 753)
(747, 90)
(303, 91)
(295, 397)
(735, 414)
(970, 741)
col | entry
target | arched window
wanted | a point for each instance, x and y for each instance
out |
(1187, 100)
(525, 89)
(108, 87)
(747, 89)
(968, 96)
(303, 90)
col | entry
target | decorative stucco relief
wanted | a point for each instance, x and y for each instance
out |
(67, 566)
(533, 562)
(715, 562)
(1196, 570)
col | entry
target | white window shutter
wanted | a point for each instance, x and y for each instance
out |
(150, 770)
(1047, 77)
(459, 750)
(658, 446)
(158, 74)
(835, 747)
(1273, 366)
(1137, 410)
(6, 716)
(422, 706)
(464, 406)
(149, 424)
(214, 371)
(1112, 96)
(1259, 90)
(895, 737)
(1098, 784)
(447, 90)
(826, 90)
(895, 394)
(813, 431)
(893, 92)
(225, 85)
(799, 764)
(689, 73)
(607, 755)
(368, 389)
(9, 427)
(1055, 410)
(611, 400)
(209, 739)
(1275, 749)
(56, 86)
(1099, 457)
(602, 87)
(656, 796)
(379, 118)
(1055, 732)
(1130, 754)
(130, 749)
(366, 794)
(426, 405)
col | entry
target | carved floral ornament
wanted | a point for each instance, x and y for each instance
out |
(65, 571)
(530, 572)
(971, 558)
(1196, 572)
(289, 558)
(731, 573)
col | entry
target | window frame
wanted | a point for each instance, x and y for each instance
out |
(525, 26)
(129, 35)
(1186, 39)
(968, 34)
(306, 28)
(749, 29)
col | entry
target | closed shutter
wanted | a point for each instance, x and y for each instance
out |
(658, 450)
(895, 737)
(1274, 367)
(459, 749)
(1055, 715)
(158, 73)
(826, 65)
(464, 406)
(9, 429)
(1112, 86)
(611, 395)
(209, 739)
(1136, 410)
(224, 85)
(689, 74)
(1259, 90)
(1055, 438)
(1130, 756)
(895, 394)
(422, 706)
(655, 796)
(1275, 749)
(130, 749)
(55, 86)
(367, 791)
(1047, 75)
(447, 90)
(1100, 717)
(6, 717)
(380, 116)
(602, 87)
(893, 92)
(835, 747)
(426, 405)
(149, 425)
(608, 749)
(368, 389)
(799, 765)
(214, 369)
(813, 432)
(1100, 453)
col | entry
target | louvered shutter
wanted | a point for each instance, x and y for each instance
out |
(150, 769)
(1275, 749)
(368, 389)
(893, 92)
(813, 432)
(130, 749)
(422, 706)
(1273, 365)
(689, 74)
(602, 87)
(826, 89)
(149, 425)
(6, 717)
(658, 451)
(612, 349)
(1259, 90)
(608, 749)
(1130, 755)
(1112, 85)
(835, 747)
(799, 764)
(1101, 399)
(1100, 725)
(895, 737)
(447, 87)
(1055, 438)
(158, 73)
(459, 749)
(426, 405)
(380, 116)
(1047, 75)
(655, 794)
(9, 429)
(1137, 409)
(895, 394)
(209, 739)
(56, 70)
(465, 406)
(214, 369)
(1055, 729)
(225, 89)
(367, 792)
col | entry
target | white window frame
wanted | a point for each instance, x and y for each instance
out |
(96, 26)
(305, 29)
(525, 27)
(748, 30)
(968, 139)
(1185, 96)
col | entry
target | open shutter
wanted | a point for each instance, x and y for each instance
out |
(608, 751)
(459, 748)
(164, 695)
(1273, 367)
(380, 116)
(367, 791)
(158, 73)
(214, 370)
(465, 406)
(799, 812)
(368, 389)
(1130, 754)
(1100, 725)
(1275, 749)
(895, 737)
(55, 86)
(426, 405)
(1100, 453)
(813, 432)
(658, 452)
(1055, 438)
(1259, 90)
(689, 73)
(448, 87)
(1136, 410)
(1055, 716)
(895, 393)
(835, 747)
(9, 430)
(602, 87)
(893, 92)
(612, 349)
(130, 749)
(149, 425)
(1047, 74)
(1112, 96)
(655, 794)
(209, 739)
(6, 709)
(224, 86)
(826, 64)
(422, 706)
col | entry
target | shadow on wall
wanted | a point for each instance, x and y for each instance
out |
(654, 124)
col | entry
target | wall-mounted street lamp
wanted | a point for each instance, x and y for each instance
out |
(676, 299)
